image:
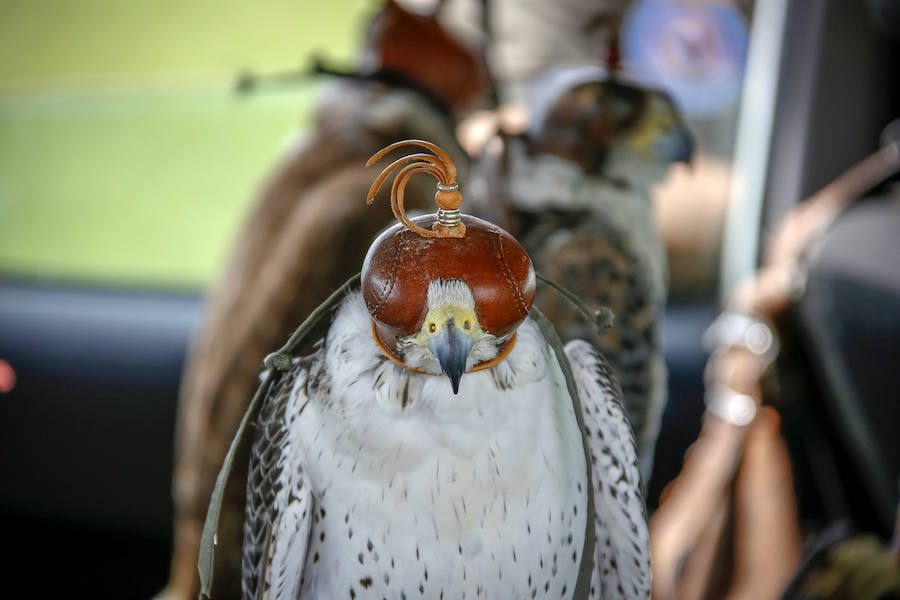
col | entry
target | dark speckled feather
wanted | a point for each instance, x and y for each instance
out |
(279, 498)
(575, 191)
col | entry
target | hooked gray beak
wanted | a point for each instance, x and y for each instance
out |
(675, 145)
(451, 347)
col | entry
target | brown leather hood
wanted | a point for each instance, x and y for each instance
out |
(401, 263)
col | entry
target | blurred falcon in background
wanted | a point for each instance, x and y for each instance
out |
(575, 190)
(305, 234)
(373, 476)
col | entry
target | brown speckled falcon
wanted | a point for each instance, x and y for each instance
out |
(305, 234)
(575, 190)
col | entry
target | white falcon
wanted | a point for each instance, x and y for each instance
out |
(373, 476)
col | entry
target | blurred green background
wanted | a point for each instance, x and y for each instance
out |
(125, 155)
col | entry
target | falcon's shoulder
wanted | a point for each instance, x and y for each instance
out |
(279, 499)
(622, 553)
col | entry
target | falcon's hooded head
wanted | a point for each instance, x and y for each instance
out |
(608, 123)
(446, 292)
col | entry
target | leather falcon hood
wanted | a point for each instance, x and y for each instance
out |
(403, 260)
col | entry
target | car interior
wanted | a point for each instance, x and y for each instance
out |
(87, 450)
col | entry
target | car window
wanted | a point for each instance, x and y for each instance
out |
(125, 154)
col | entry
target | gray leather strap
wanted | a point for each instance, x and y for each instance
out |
(275, 363)
(586, 570)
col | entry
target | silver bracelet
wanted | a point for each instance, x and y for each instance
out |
(730, 405)
(740, 330)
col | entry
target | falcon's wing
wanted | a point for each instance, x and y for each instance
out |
(622, 552)
(606, 265)
(279, 500)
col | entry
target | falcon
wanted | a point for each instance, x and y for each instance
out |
(575, 190)
(430, 446)
(305, 234)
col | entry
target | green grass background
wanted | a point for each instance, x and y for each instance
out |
(125, 157)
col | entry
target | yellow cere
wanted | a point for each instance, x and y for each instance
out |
(434, 322)
(657, 119)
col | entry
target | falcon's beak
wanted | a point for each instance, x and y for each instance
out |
(451, 347)
(674, 144)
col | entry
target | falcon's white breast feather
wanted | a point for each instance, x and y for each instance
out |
(394, 487)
